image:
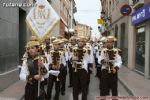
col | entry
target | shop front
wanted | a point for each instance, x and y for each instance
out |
(140, 49)
(141, 21)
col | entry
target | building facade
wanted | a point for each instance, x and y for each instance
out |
(14, 34)
(56, 6)
(83, 30)
(13, 38)
(132, 32)
(119, 24)
(64, 8)
(67, 10)
(141, 23)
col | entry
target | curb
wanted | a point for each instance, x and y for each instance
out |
(22, 98)
(126, 87)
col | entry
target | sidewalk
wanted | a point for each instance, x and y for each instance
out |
(135, 84)
(13, 92)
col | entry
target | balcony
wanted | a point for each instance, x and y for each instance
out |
(138, 4)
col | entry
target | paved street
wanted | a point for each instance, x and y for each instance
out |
(137, 89)
(44, 34)
(93, 90)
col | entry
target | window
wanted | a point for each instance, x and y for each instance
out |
(117, 2)
(64, 7)
(140, 49)
(149, 56)
(123, 45)
(61, 8)
(34, 1)
(113, 5)
(110, 5)
(116, 34)
(66, 12)
(135, 1)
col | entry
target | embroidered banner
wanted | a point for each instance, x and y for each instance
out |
(42, 19)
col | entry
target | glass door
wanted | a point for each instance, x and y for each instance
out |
(140, 49)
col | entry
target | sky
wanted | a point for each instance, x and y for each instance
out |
(88, 11)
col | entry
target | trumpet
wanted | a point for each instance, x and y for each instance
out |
(42, 58)
(110, 68)
(74, 62)
(74, 65)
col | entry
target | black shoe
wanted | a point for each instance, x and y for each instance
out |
(70, 86)
(62, 93)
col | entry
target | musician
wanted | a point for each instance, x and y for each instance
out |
(47, 45)
(57, 62)
(89, 48)
(80, 60)
(110, 59)
(102, 45)
(64, 69)
(70, 47)
(96, 48)
(30, 69)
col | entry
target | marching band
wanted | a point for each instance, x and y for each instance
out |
(45, 64)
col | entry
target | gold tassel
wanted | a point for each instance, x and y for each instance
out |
(75, 70)
(57, 79)
(109, 71)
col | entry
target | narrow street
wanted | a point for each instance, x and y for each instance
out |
(93, 90)
(39, 37)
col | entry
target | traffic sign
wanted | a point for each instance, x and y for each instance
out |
(126, 10)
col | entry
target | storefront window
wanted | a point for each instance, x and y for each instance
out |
(149, 58)
(140, 49)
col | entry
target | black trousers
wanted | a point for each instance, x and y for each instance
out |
(89, 77)
(98, 71)
(96, 62)
(88, 80)
(63, 79)
(43, 91)
(70, 73)
(31, 91)
(98, 68)
(51, 80)
(80, 80)
(109, 82)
